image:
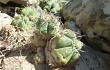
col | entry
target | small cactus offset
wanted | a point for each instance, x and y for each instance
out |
(48, 26)
(53, 5)
(26, 19)
(22, 22)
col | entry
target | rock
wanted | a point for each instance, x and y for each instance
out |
(5, 19)
(22, 2)
(93, 18)
(93, 60)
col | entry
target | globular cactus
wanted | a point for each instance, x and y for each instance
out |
(25, 21)
(53, 5)
(61, 45)
(48, 27)
(31, 12)
(22, 22)
(63, 49)
(72, 35)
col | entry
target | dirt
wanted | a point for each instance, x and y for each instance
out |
(20, 59)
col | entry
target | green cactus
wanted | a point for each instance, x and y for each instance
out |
(48, 27)
(29, 15)
(22, 22)
(64, 49)
(31, 12)
(61, 45)
(53, 5)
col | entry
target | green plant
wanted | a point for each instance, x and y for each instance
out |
(61, 45)
(48, 27)
(63, 49)
(22, 22)
(52, 5)
(25, 21)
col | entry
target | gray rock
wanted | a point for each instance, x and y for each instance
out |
(93, 60)
(5, 19)
(22, 2)
(93, 18)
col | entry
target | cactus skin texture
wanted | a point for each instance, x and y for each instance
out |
(48, 27)
(63, 49)
(25, 21)
(22, 22)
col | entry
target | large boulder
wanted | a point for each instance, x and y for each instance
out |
(93, 18)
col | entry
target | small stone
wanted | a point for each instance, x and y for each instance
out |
(5, 19)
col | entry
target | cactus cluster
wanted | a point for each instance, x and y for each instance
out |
(25, 20)
(61, 45)
(56, 45)
(22, 22)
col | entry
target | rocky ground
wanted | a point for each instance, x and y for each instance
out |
(22, 58)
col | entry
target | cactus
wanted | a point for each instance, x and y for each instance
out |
(63, 50)
(61, 45)
(31, 12)
(25, 21)
(53, 5)
(48, 27)
(22, 22)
